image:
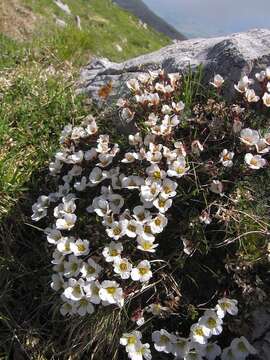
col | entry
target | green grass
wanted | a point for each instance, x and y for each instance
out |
(104, 27)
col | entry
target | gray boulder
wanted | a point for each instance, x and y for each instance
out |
(230, 56)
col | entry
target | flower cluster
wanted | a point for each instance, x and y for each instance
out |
(132, 193)
(244, 86)
(197, 345)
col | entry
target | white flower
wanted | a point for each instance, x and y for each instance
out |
(242, 348)
(178, 167)
(81, 185)
(226, 305)
(67, 308)
(141, 351)
(74, 290)
(156, 309)
(105, 160)
(142, 272)
(111, 293)
(249, 137)
(226, 158)
(92, 291)
(255, 162)
(135, 139)
(228, 354)
(90, 270)
(122, 267)
(75, 171)
(158, 224)
(266, 99)
(91, 128)
(150, 190)
(251, 96)
(131, 229)
(200, 333)
(155, 172)
(75, 158)
(178, 107)
(243, 84)
(180, 347)
(116, 202)
(212, 351)
(67, 207)
(132, 182)
(218, 81)
(130, 340)
(144, 231)
(211, 320)
(166, 109)
(162, 204)
(90, 155)
(112, 251)
(84, 306)
(100, 206)
(133, 84)
(57, 282)
(260, 76)
(72, 266)
(117, 229)
(96, 176)
(163, 341)
(53, 236)
(262, 147)
(267, 138)
(64, 245)
(216, 187)
(146, 245)
(168, 188)
(67, 223)
(80, 247)
(141, 214)
(130, 157)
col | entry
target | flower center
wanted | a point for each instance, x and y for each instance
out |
(132, 228)
(242, 347)
(123, 266)
(111, 290)
(211, 322)
(113, 252)
(157, 175)
(164, 339)
(199, 331)
(81, 247)
(91, 270)
(117, 231)
(143, 271)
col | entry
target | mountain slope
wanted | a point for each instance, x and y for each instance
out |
(142, 11)
(106, 30)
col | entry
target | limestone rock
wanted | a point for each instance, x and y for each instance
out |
(230, 56)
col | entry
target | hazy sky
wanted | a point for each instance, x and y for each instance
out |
(213, 17)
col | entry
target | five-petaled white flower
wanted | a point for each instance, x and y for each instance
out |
(255, 162)
(142, 272)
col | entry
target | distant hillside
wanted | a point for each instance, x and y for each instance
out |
(104, 29)
(142, 11)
